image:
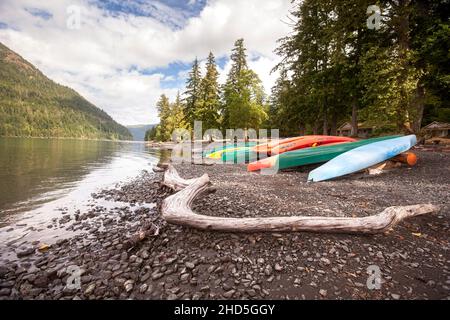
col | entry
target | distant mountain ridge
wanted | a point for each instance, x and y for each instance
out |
(33, 105)
(138, 131)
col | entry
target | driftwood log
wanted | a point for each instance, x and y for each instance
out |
(176, 209)
(173, 180)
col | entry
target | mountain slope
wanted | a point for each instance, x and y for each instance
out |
(138, 131)
(32, 105)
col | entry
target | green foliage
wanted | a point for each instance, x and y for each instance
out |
(150, 134)
(243, 94)
(209, 105)
(240, 103)
(171, 118)
(34, 106)
(192, 94)
(332, 63)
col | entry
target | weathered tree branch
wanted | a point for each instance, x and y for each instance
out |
(173, 180)
(176, 209)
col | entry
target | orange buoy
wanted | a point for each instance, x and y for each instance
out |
(409, 158)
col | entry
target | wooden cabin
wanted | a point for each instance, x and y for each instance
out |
(437, 130)
(364, 131)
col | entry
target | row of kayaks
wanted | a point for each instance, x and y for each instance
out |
(343, 155)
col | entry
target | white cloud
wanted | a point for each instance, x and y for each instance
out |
(98, 59)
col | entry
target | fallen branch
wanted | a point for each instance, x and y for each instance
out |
(173, 180)
(176, 209)
(149, 229)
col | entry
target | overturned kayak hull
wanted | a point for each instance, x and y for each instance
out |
(267, 147)
(242, 156)
(362, 157)
(281, 146)
(227, 146)
(307, 142)
(310, 155)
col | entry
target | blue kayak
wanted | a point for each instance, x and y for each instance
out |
(362, 157)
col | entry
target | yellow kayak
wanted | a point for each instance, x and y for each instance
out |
(218, 154)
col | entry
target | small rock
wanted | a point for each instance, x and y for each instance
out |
(229, 294)
(323, 292)
(189, 265)
(395, 296)
(278, 267)
(251, 292)
(157, 275)
(89, 289)
(128, 285)
(172, 296)
(41, 281)
(268, 270)
(5, 292)
(184, 276)
(25, 252)
(143, 288)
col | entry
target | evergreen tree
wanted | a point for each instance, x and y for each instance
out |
(239, 58)
(177, 117)
(209, 108)
(336, 64)
(150, 134)
(163, 107)
(243, 94)
(192, 94)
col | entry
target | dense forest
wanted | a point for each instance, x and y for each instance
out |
(32, 105)
(344, 61)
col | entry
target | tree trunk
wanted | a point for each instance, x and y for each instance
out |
(333, 128)
(176, 209)
(325, 122)
(419, 106)
(402, 31)
(301, 129)
(316, 128)
(354, 129)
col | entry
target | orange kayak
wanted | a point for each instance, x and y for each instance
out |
(309, 141)
(266, 147)
(280, 146)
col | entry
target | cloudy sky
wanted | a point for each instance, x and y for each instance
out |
(123, 54)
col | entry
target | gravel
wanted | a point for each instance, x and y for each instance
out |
(181, 263)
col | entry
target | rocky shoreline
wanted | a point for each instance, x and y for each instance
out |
(183, 263)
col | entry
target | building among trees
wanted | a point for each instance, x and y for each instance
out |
(364, 130)
(437, 130)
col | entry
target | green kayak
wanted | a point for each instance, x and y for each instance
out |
(242, 155)
(219, 147)
(310, 155)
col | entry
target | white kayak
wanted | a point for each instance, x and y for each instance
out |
(362, 157)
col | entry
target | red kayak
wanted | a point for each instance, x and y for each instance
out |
(307, 142)
(280, 146)
(266, 147)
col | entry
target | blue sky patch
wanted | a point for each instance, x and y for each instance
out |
(39, 13)
(172, 13)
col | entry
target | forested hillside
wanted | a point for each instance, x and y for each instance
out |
(138, 131)
(32, 105)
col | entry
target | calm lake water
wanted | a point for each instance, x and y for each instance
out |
(40, 176)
